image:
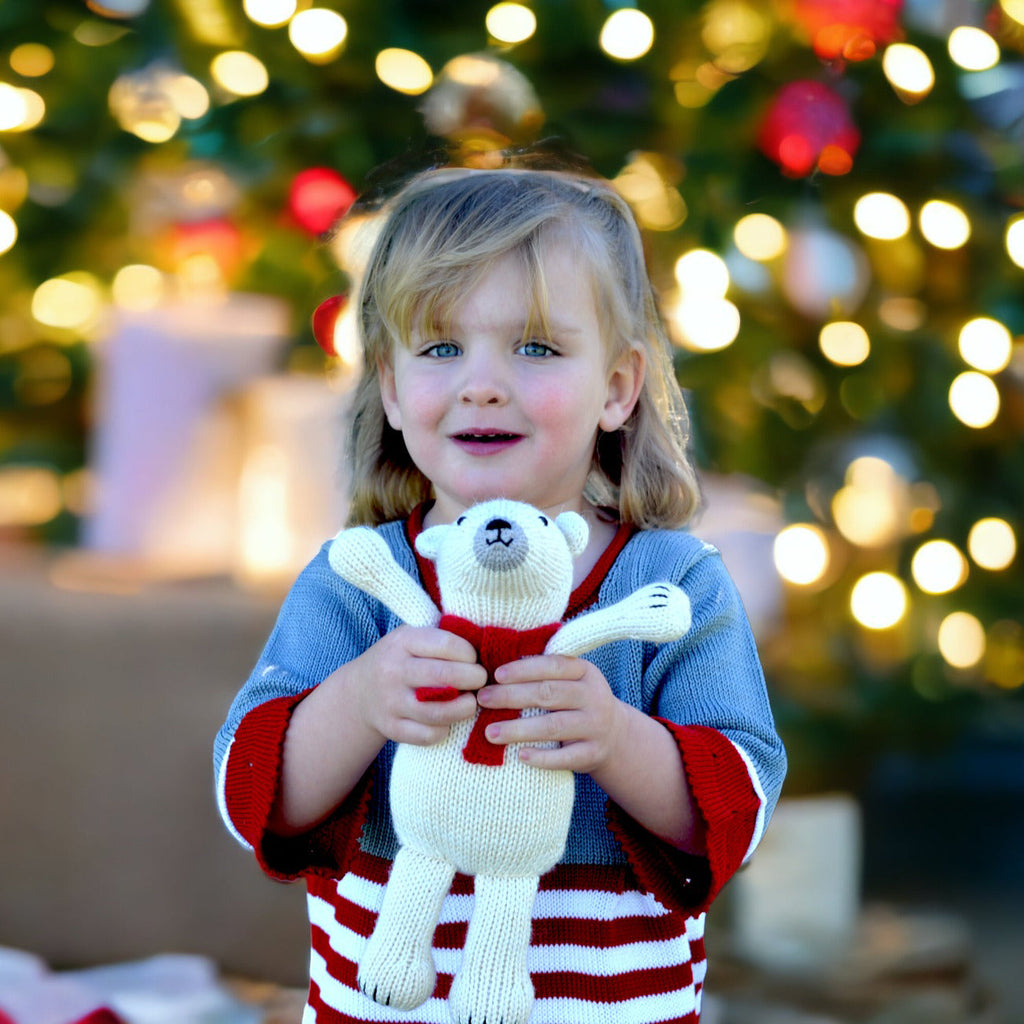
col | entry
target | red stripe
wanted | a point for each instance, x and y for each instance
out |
(612, 988)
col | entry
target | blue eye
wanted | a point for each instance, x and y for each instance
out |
(535, 348)
(442, 350)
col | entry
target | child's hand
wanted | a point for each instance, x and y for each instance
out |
(584, 716)
(415, 683)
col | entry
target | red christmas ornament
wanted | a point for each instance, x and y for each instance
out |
(849, 29)
(325, 318)
(318, 197)
(808, 127)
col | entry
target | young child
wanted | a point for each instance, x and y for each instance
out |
(513, 348)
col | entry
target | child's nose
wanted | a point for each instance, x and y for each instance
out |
(483, 384)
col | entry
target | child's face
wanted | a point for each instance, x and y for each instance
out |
(485, 414)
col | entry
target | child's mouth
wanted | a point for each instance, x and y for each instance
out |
(485, 443)
(486, 438)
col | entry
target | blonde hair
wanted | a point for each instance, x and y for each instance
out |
(441, 234)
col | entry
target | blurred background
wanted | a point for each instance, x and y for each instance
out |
(832, 193)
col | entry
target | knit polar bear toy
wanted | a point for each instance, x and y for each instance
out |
(504, 573)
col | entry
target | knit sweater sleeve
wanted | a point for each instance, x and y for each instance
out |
(709, 691)
(323, 623)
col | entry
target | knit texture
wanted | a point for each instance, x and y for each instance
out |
(617, 930)
(504, 572)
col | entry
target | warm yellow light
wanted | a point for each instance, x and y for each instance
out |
(29, 495)
(627, 34)
(1015, 240)
(870, 510)
(155, 125)
(239, 72)
(878, 600)
(702, 273)
(972, 48)
(8, 231)
(72, 301)
(760, 237)
(32, 60)
(844, 343)
(985, 344)
(269, 13)
(944, 224)
(801, 554)
(881, 215)
(13, 107)
(188, 95)
(511, 23)
(961, 640)
(908, 70)
(974, 399)
(1013, 9)
(404, 71)
(706, 324)
(138, 286)
(318, 33)
(992, 543)
(938, 567)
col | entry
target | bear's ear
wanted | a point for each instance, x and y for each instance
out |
(428, 543)
(576, 531)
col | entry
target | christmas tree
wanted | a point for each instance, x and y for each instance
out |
(832, 196)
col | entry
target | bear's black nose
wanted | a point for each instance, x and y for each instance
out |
(499, 532)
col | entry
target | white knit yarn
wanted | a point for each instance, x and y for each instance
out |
(502, 563)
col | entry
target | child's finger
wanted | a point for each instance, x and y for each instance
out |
(541, 666)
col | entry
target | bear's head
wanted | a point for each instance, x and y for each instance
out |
(504, 563)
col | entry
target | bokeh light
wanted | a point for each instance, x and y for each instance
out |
(801, 554)
(986, 344)
(510, 23)
(844, 343)
(404, 71)
(318, 33)
(938, 567)
(32, 60)
(627, 34)
(972, 49)
(871, 508)
(1013, 9)
(240, 73)
(760, 237)
(992, 543)
(974, 399)
(879, 600)
(703, 273)
(706, 324)
(1014, 240)
(908, 70)
(13, 107)
(270, 13)
(881, 215)
(72, 301)
(8, 231)
(29, 495)
(138, 286)
(944, 224)
(961, 640)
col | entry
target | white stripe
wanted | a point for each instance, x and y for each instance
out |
(598, 962)
(588, 904)
(642, 1010)
(222, 800)
(756, 783)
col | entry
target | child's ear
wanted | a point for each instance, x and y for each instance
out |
(625, 380)
(389, 392)
(428, 543)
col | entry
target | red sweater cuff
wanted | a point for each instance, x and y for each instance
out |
(251, 785)
(722, 790)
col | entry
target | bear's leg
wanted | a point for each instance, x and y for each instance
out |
(492, 984)
(397, 968)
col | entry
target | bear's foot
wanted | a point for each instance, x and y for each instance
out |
(395, 977)
(499, 997)
(397, 967)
